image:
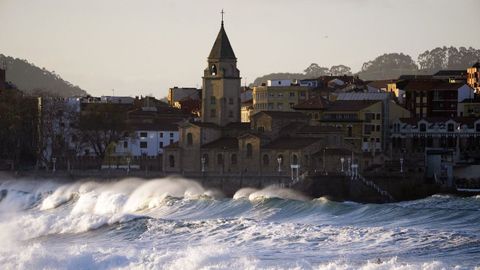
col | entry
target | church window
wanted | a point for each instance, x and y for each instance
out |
(234, 159)
(213, 100)
(213, 113)
(249, 150)
(189, 139)
(213, 70)
(220, 159)
(294, 159)
(266, 160)
(171, 161)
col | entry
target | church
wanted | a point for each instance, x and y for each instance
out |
(272, 143)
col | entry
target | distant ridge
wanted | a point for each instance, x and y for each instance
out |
(34, 80)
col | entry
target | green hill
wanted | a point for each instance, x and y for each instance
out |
(32, 79)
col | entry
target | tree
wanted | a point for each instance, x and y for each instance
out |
(340, 70)
(314, 71)
(447, 58)
(388, 66)
(101, 125)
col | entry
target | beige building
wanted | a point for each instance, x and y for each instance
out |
(275, 97)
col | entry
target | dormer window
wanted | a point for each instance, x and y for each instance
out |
(213, 70)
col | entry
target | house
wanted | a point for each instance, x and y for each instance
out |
(435, 98)
(473, 77)
(279, 95)
(177, 94)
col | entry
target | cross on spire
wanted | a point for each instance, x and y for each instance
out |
(222, 12)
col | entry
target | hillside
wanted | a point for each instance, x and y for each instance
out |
(32, 79)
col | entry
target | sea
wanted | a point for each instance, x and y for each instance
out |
(175, 223)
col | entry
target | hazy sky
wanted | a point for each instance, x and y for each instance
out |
(140, 47)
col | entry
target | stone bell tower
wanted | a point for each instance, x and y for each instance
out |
(221, 83)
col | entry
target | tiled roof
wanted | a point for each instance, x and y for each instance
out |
(429, 85)
(157, 126)
(315, 103)
(379, 84)
(226, 143)
(291, 143)
(350, 105)
(283, 115)
(318, 129)
(451, 72)
(221, 48)
(238, 125)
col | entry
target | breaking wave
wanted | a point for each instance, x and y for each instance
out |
(175, 223)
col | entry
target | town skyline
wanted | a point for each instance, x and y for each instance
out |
(144, 63)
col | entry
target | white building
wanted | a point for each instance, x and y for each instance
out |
(148, 141)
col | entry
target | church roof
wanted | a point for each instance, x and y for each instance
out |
(222, 48)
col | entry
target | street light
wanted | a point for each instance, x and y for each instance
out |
(54, 160)
(279, 160)
(128, 165)
(401, 165)
(342, 160)
(349, 160)
(203, 164)
(324, 170)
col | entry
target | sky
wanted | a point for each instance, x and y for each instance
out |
(143, 47)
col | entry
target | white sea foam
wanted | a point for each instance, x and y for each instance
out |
(276, 192)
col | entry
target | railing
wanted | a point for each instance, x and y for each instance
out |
(374, 186)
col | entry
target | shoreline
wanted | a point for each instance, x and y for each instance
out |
(335, 187)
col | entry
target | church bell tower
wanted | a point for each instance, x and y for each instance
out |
(221, 83)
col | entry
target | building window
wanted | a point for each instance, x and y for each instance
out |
(292, 94)
(266, 160)
(125, 144)
(377, 140)
(213, 113)
(378, 116)
(143, 134)
(213, 100)
(249, 150)
(220, 159)
(423, 127)
(477, 127)
(234, 159)
(230, 114)
(171, 161)
(143, 145)
(171, 134)
(349, 131)
(189, 139)
(280, 157)
(161, 144)
(171, 141)
(378, 128)
(291, 104)
(230, 101)
(161, 134)
(451, 127)
(261, 129)
(294, 160)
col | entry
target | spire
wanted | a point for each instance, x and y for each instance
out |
(221, 48)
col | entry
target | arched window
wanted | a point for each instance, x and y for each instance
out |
(234, 159)
(171, 161)
(280, 157)
(220, 159)
(423, 127)
(189, 139)
(213, 70)
(266, 160)
(294, 159)
(249, 150)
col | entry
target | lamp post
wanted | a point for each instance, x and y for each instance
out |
(342, 160)
(401, 165)
(324, 169)
(279, 160)
(54, 160)
(203, 164)
(128, 165)
(349, 171)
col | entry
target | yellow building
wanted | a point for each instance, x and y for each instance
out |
(279, 97)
